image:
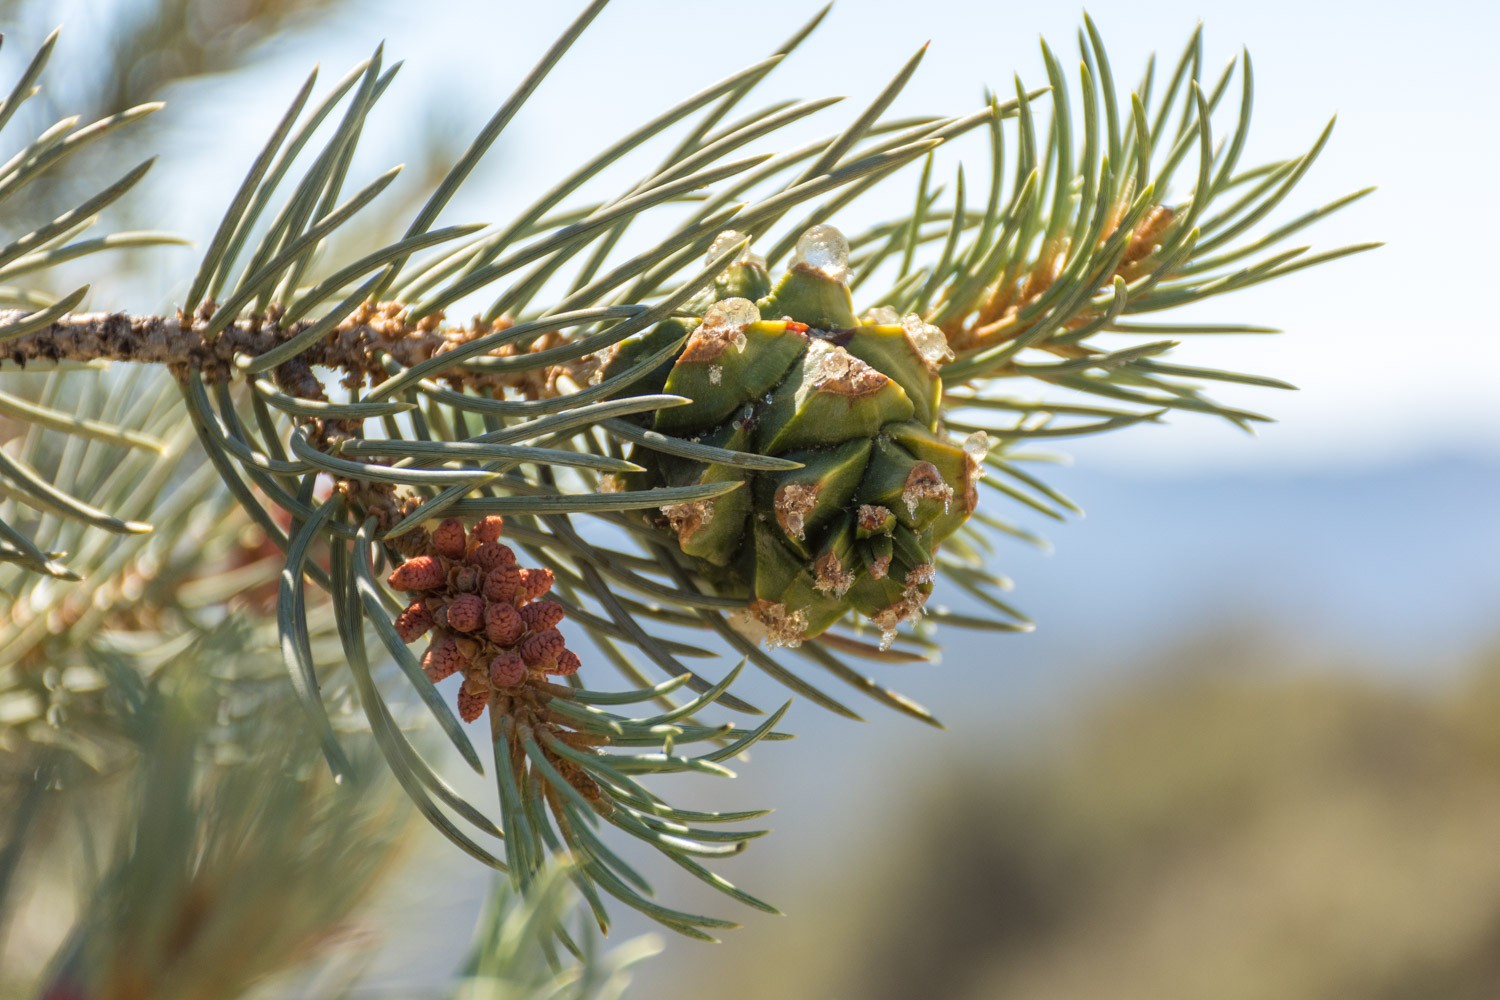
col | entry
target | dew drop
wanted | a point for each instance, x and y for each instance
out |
(823, 249)
(929, 341)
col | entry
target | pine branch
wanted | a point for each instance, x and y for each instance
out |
(183, 343)
(691, 459)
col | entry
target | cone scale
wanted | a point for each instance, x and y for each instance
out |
(796, 375)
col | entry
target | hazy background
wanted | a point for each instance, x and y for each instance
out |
(1252, 749)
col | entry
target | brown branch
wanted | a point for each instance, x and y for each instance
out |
(355, 347)
(180, 342)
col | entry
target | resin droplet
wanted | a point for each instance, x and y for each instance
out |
(783, 626)
(873, 518)
(823, 249)
(688, 518)
(881, 316)
(715, 374)
(925, 573)
(929, 341)
(925, 482)
(793, 503)
(834, 364)
(722, 242)
(727, 239)
(977, 445)
(730, 316)
(830, 576)
(908, 608)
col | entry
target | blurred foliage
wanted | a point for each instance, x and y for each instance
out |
(155, 595)
(140, 51)
(148, 46)
(1230, 834)
(221, 859)
(223, 853)
(515, 934)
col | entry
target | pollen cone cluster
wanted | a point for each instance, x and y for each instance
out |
(485, 614)
(869, 484)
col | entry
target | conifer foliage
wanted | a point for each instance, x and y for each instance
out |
(754, 438)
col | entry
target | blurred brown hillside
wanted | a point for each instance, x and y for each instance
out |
(1230, 834)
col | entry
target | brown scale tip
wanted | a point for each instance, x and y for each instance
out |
(450, 539)
(793, 503)
(925, 482)
(418, 573)
(909, 606)
(783, 626)
(689, 518)
(841, 373)
(873, 517)
(830, 577)
(466, 613)
(920, 575)
(708, 344)
(490, 529)
(503, 625)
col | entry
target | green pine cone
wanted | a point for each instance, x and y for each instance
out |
(855, 404)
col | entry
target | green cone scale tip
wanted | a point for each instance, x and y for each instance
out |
(855, 404)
